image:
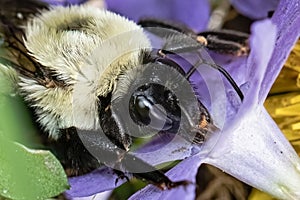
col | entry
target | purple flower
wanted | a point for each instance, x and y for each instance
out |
(193, 13)
(255, 9)
(250, 146)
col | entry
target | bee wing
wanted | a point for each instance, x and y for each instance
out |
(13, 18)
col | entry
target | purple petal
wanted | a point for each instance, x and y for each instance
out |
(259, 57)
(257, 153)
(255, 9)
(287, 20)
(249, 72)
(193, 13)
(255, 150)
(186, 170)
(169, 149)
(100, 180)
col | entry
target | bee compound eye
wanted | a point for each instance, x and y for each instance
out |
(149, 106)
(142, 106)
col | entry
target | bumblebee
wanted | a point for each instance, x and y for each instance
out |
(76, 66)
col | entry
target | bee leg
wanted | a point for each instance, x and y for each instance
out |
(226, 42)
(121, 175)
(160, 180)
(221, 41)
(123, 162)
(145, 171)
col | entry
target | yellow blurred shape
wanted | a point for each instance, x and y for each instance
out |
(296, 126)
(258, 195)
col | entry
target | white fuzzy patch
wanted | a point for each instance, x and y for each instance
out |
(87, 48)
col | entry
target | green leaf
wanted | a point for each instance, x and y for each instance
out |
(24, 173)
(29, 174)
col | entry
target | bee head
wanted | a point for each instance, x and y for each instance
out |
(156, 98)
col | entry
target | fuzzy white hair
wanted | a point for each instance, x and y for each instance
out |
(86, 48)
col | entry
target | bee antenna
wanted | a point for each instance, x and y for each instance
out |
(223, 72)
(163, 54)
(229, 78)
